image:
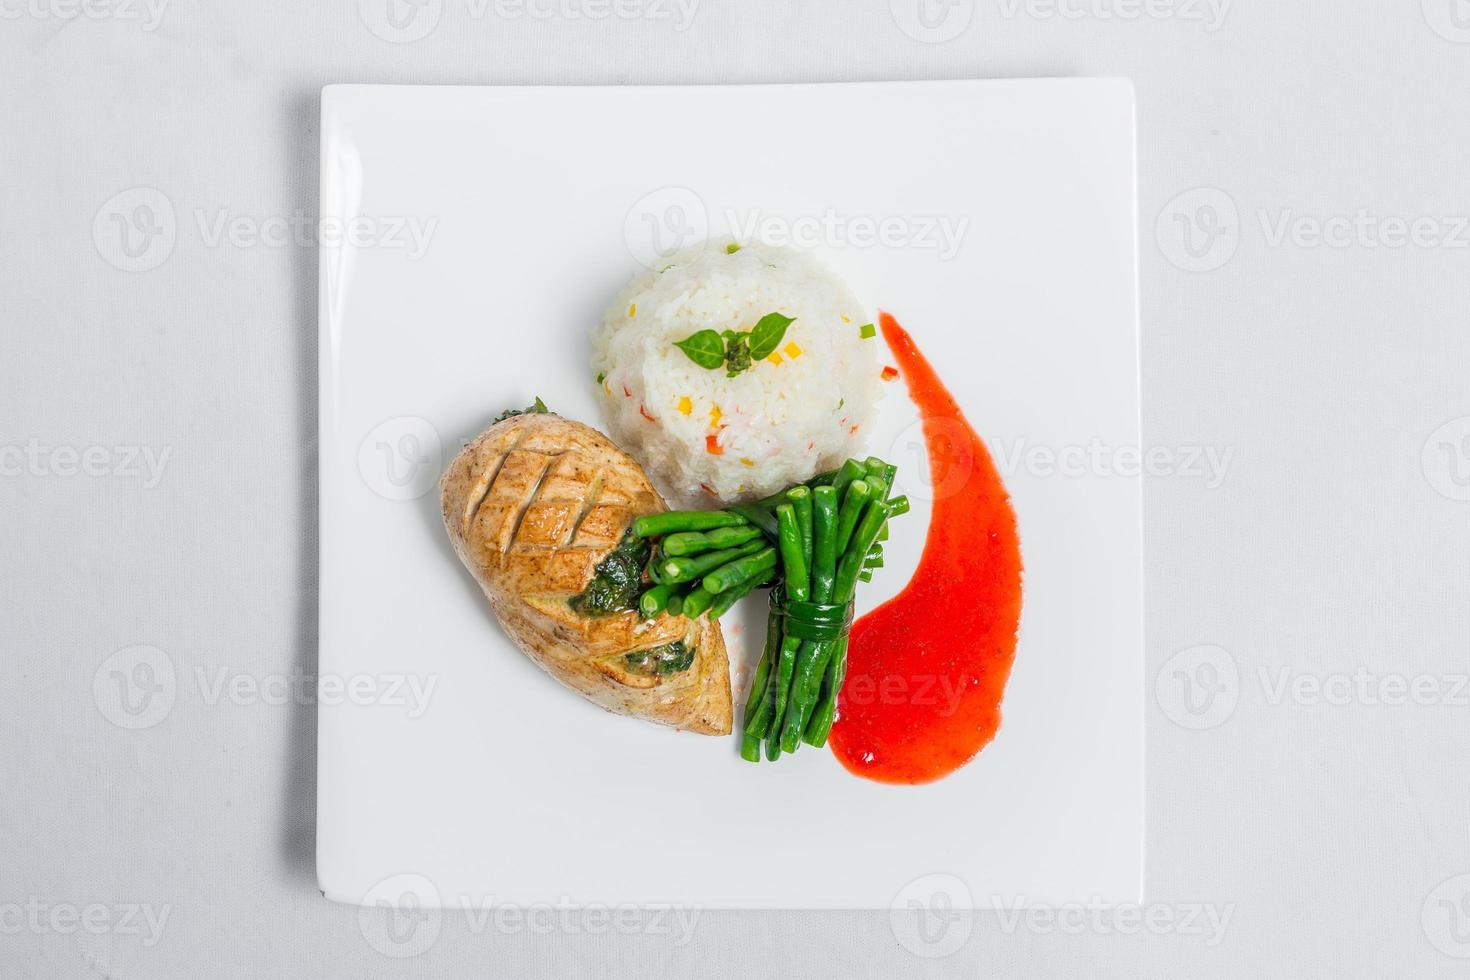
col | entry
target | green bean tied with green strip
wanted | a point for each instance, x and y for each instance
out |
(811, 544)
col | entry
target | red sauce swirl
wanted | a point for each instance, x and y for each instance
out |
(927, 669)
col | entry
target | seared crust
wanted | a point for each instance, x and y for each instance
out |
(532, 506)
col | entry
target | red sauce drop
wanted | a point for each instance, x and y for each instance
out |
(927, 669)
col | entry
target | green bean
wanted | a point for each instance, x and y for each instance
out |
(760, 513)
(740, 570)
(898, 505)
(792, 721)
(811, 668)
(750, 748)
(654, 600)
(786, 666)
(676, 604)
(822, 666)
(655, 559)
(873, 561)
(824, 542)
(792, 557)
(757, 696)
(758, 721)
(730, 596)
(883, 534)
(858, 492)
(670, 522)
(758, 712)
(823, 479)
(697, 601)
(820, 725)
(850, 470)
(757, 687)
(801, 502)
(779, 745)
(758, 716)
(866, 575)
(863, 537)
(879, 486)
(687, 569)
(729, 537)
(684, 543)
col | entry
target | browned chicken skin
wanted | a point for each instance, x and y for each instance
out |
(532, 506)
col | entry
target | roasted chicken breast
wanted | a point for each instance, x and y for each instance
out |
(538, 508)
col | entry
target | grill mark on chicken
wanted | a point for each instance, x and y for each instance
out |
(520, 548)
(594, 490)
(473, 511)
(515, 527)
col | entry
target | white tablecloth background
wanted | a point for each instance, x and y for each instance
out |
(1331, 834)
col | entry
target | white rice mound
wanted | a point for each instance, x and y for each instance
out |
(705, 438)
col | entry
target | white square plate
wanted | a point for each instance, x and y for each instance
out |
(484, 231)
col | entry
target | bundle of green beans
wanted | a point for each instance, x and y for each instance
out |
(829, 535)
(812, 544)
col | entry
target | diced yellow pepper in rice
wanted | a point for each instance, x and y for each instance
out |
(774, 358)
(632, 310)
(792, 350)
(715, 415)
(746, 462)
(685, 405)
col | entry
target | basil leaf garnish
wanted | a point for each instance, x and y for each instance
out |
(735, 350)
(766, 336)
(536, 409)
(705, 348)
